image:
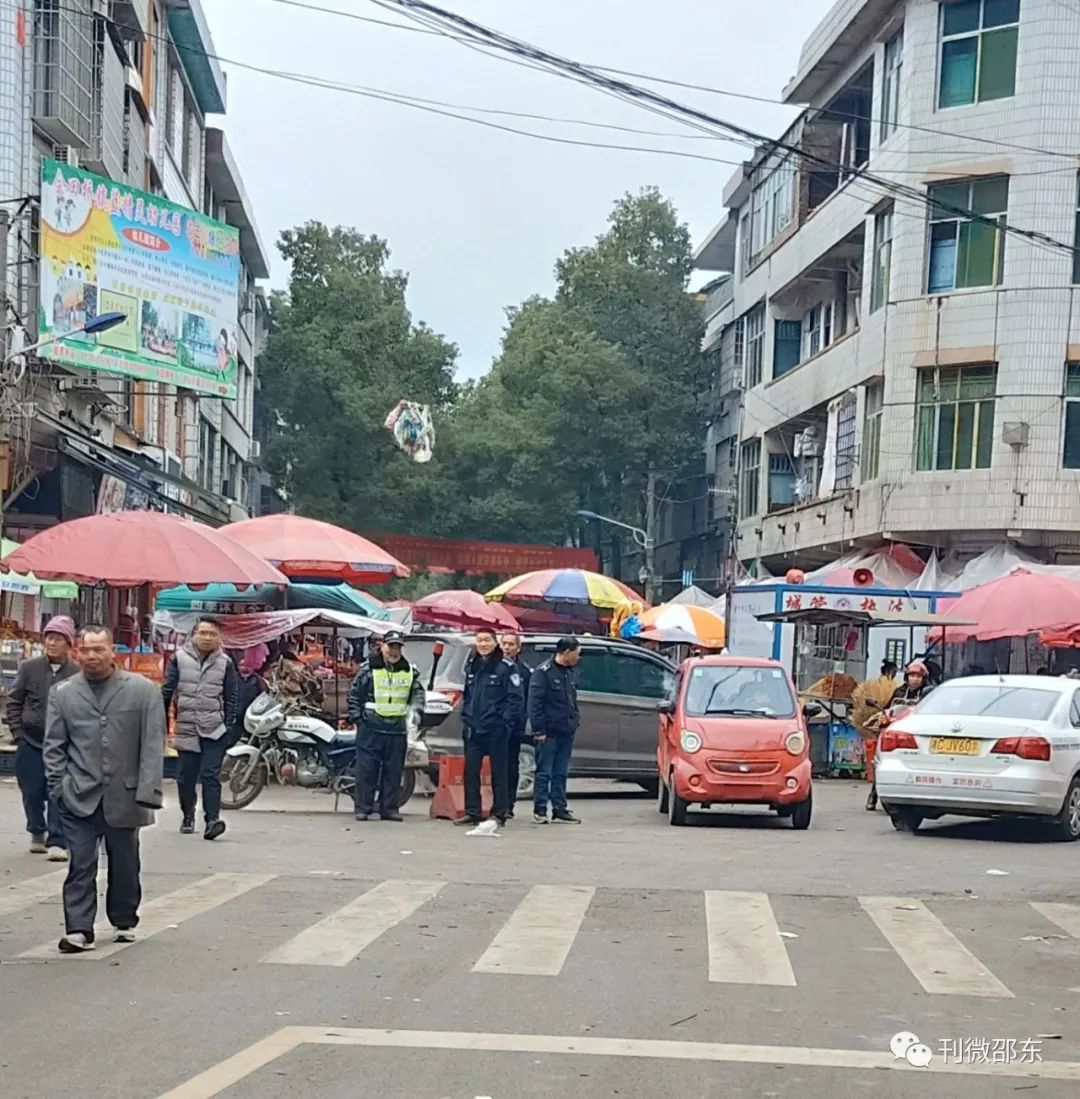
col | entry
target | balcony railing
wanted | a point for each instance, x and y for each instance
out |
(63, 101)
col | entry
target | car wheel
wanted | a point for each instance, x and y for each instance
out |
(650, 786)
(661, 796)
(676, 806)
(801, 813)
(1067, 822)
(906, 819)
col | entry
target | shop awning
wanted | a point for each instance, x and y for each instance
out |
(241, 631)
(829, 616)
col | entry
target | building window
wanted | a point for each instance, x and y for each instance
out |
(955, 426)
(967, 239)
(978, 51)
(1070, 457)
(750, 345)
(845, 445)
(787, 347)
(1076, 238)
(819, 328)
(882, 261)
(772, 204)
(871, 450)
(890, 84)
(174, 115)
(750, 479)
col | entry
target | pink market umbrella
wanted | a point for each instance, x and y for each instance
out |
(464, 610)
(1015, 605)
(126, 549)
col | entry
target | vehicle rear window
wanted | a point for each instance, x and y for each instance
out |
(420, 653)
(740, 691)
(990, 700)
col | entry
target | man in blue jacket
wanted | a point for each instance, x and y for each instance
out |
(510, 644)
(492, 699)
(554, 717)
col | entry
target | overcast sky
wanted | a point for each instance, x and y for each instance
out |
(477, 217)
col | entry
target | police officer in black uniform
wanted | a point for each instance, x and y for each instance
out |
(510, 644)
(490, 703)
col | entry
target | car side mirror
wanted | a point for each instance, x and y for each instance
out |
(813, 709)
(666, 708)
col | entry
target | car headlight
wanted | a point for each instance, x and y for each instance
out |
(795, 743)
(690, 742)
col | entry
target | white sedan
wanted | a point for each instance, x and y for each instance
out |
(987, 746)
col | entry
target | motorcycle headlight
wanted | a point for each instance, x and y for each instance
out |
(795, 743)
(690, 741)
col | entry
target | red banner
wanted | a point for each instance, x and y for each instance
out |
(478, 558)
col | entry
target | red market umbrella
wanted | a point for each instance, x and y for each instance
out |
(126, 549)
(1015, 605)
(310, 550)
(464, 610)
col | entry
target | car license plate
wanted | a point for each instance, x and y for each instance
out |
(954, 746)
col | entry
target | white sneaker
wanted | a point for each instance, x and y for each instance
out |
(57, 854)
(124, 935)
(75, 943)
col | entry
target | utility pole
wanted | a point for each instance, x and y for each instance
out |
(5, 423)
(652, 589)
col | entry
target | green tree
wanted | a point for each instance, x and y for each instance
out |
(342, 350)
(591, 389)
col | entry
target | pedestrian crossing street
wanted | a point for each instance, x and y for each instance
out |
(743, 941)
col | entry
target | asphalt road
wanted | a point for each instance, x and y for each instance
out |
(305, 955)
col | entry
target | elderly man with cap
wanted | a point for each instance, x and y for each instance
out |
(26, 708)
(383, 693)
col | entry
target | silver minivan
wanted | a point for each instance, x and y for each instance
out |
(619, 687)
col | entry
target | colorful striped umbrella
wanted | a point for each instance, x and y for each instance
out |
(567, 589)
(702, 624)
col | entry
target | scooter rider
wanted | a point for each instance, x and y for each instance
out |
(916, 686)
(380, 699)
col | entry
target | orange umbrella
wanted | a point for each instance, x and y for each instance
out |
(702, 624)
(310, 550)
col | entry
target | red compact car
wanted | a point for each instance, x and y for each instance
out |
(734, 733)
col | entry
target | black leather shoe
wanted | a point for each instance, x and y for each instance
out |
(214, 828)
(391, 816)
(187, 826)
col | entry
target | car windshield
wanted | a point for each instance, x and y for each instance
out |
(739, 691)
(420, 652)
(990, 700)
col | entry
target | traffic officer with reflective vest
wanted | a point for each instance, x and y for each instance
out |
(380, 700)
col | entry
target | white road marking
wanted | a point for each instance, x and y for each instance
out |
(1066, 916)
(938, 960)
(220, 1077)
(30, 891)
(166, 911)
(745, 946)
(338, 938)
(537, 937)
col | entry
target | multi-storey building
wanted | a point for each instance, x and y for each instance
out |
(905, 318)
(121, 88)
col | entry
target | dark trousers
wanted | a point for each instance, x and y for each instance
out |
(123, 892)
(513, 768)
(380, 760)
(201, 768)
(495, 746)
(42, 814)
(552, 768)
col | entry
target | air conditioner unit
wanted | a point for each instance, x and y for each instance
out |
(66, 154)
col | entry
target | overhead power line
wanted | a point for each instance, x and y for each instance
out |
(433, 15)
(434, 31)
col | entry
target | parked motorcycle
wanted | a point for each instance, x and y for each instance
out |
(285, 740)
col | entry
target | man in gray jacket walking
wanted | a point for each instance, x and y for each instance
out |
(26, 718)
(203, 682)
(104, 758)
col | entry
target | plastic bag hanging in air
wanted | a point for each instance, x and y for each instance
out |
(410, 424)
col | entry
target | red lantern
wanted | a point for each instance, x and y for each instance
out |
(795, 576)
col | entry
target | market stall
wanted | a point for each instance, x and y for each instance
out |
(828, 663)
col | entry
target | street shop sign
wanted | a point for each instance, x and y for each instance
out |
(868, 602)
(174, 273)
(480, 558)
